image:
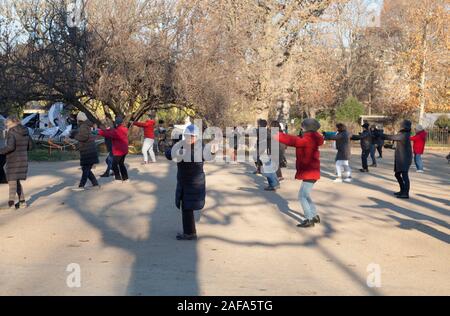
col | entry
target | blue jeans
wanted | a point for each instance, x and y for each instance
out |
(419, 162)
(373, 149)
(269, 171)
(272, 178)
(109, 162)
(305, 200)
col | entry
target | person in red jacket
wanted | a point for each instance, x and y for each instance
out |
(149, 139)
(119, 137)
(308, 165)
(419, 140)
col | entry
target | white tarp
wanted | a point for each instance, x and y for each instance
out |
(27, 120)
(55, 114)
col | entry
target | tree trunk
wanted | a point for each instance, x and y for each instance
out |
(423, 77)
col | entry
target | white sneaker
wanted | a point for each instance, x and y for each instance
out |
(338, 180)
(420, 171)
(78, 189)
(348, 180)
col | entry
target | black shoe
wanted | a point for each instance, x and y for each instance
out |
(187, 237)
(374, 165)
(269, 188)
(105, 175)
(364, 170)
(316, 219)
(403, 196)
(398, 193)
(306, 224)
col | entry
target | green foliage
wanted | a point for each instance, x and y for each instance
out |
(327, 125)
(443, 121)
(350, 111)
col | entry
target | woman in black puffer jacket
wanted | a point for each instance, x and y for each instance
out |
(88, 151)
(191, 184)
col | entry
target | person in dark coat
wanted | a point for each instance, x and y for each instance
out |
(261, 124)
(18, 142)
(344, 152)
(109, 159)
(3, 178)
(191, 183)
(373, 147)
(379, 141)
(403, 158)
(88, 151)
(281, 150)
(366, 141)
(265, 155)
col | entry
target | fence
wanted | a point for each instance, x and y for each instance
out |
(438, 137)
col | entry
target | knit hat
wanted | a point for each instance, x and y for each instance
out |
(311, 125)
(118, 121)
(406, 125)
(81, 117)
(419, 128)
(366, 125)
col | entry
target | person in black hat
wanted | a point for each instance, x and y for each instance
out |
(403, 158)
(366, 142)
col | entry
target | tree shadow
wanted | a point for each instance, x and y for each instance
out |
(435, 199)
(48, 192)
(413, 222)
(162, 265)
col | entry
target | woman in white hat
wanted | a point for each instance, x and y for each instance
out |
(190, 194)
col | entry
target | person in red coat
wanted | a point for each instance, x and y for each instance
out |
(419, 140)
(308, 165)
(149, 139)
(119, 137)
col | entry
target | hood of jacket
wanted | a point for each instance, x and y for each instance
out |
(20, 130)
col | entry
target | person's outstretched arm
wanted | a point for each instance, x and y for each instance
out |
(108, 133)
(140, 124)
(395, 138)
(333, 136)
(290, 140)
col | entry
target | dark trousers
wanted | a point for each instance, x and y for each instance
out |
(118, 166)
(403, 181)
(189, 222)
(372, 154)
(87, 174)
(279, 173)
(364, 156)
(3, 178)
(380, 150)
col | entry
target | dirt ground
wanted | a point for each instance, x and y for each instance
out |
(122, 237)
